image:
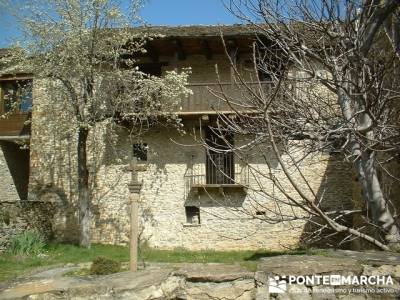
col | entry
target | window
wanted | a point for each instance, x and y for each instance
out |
(192, 214)
(16, 96)
(140, 151)
(220, 166)
(153, 69)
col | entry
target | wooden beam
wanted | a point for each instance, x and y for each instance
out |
(13, 77)
(205, 46)
(179, 52)
(14, 138)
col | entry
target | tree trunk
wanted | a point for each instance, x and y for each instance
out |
(83, 189)
(367, 176)
(381, 214)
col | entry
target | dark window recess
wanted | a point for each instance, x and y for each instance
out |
(260, 213)
(153, 69)
(220, 166)
(140, 151)
(192, 214)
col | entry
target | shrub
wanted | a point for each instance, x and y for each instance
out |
(29, 242)
(102, 266)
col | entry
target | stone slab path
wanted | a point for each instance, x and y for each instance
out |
(210, 281)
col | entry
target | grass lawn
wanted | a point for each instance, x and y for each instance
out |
(13, 266)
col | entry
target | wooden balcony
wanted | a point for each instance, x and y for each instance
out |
(209, 97)
(15, 107)
(14, 125)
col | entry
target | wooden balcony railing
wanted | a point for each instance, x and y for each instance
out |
(15, 107)
(206, 97)
(15, 124)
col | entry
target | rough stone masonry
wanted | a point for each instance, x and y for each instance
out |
(226, 219)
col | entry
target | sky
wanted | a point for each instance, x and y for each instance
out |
(184, 12)
(155, 12)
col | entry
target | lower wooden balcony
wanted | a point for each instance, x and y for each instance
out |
(15, 125)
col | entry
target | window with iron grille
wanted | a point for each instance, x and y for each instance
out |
(220, 166)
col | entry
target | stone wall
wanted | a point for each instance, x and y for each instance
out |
(11, 223)
(228, 221)
(14, 171)
(18, 217)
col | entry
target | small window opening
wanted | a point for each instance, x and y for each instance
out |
(140, 151)
(153, 69)
(260, 213)
(192, 214)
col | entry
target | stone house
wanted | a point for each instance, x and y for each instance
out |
(187, 199)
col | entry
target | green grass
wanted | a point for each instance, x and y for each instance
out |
(66, 253)
(12, 266)
(209, 256)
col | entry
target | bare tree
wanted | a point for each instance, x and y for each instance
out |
(333, 86)
(84, 54)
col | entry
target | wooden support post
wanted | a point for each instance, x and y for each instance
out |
(205, 46)
(134, 234)
(233, 51)
(179, 52)
(134, 189)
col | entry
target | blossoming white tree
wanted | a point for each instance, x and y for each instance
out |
(86, 51)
